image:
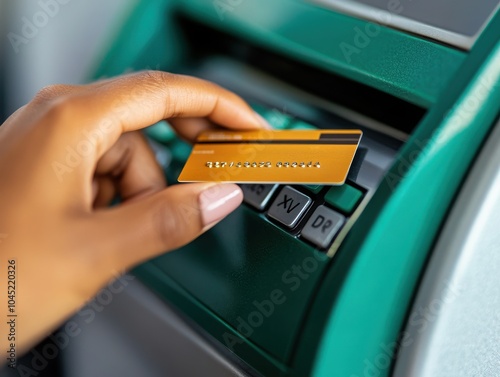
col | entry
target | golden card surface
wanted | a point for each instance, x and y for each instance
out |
(269, 156)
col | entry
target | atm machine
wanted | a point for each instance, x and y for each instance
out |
(406, 284)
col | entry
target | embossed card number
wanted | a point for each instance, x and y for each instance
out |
(298, 156)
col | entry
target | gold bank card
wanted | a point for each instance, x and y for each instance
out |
(268, 156)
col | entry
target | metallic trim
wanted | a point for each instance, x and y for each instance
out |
(387, 18)
(453, 328)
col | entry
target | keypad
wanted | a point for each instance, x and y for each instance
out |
(258, 195)
(314, 214)
(322, 226)
(289, 206)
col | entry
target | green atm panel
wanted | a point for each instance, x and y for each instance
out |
(268, 296)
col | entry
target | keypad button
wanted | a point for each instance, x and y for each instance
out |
(344, 198)
(258, 195)
(275, 118)
(258, 108)
(314, 188)
(181, 150)
(289, 206)
(161, 152)
(162, 132)
(322, 226)
(300, 125)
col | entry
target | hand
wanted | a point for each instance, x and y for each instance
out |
(66, 155)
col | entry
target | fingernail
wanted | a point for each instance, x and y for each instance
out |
(263, 122)
(219, 201)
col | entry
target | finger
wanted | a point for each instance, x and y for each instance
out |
(132, 233)
(133, 167)
(190, 128)
(133, 102)
(104, 192)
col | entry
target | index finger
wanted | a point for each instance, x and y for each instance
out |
(139, 100)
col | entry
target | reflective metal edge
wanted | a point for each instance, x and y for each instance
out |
(453, 328)
(390, 19)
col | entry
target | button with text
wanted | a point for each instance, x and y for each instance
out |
(289, 206)
(258, 195)
(322, 226)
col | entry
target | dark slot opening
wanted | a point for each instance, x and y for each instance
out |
(203, 41)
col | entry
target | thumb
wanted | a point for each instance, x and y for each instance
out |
(134, 232)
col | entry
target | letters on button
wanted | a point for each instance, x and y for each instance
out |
(289, 206)
(258, 195)
(322, 226)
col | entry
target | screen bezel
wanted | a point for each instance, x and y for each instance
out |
(387, 18)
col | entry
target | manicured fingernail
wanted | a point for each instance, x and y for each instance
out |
(263, 122)
(219, 201)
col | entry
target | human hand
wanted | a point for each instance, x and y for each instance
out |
(66, 155)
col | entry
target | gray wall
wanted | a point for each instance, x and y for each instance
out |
(63, 48)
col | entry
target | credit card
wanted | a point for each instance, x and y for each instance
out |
(270, 156)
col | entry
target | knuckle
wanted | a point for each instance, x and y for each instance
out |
(62, 109)
(51, 92)
(57, 104)
(156, 79)
(161, 83)
(165, 223)
(176, 223)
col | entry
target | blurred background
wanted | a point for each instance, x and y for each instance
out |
(46, 42)
(52, 41)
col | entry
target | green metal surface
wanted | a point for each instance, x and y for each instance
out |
(233, 272)
(406, 66)
(369, 285)
(374, 285)
(149, 39)
(204, 318)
